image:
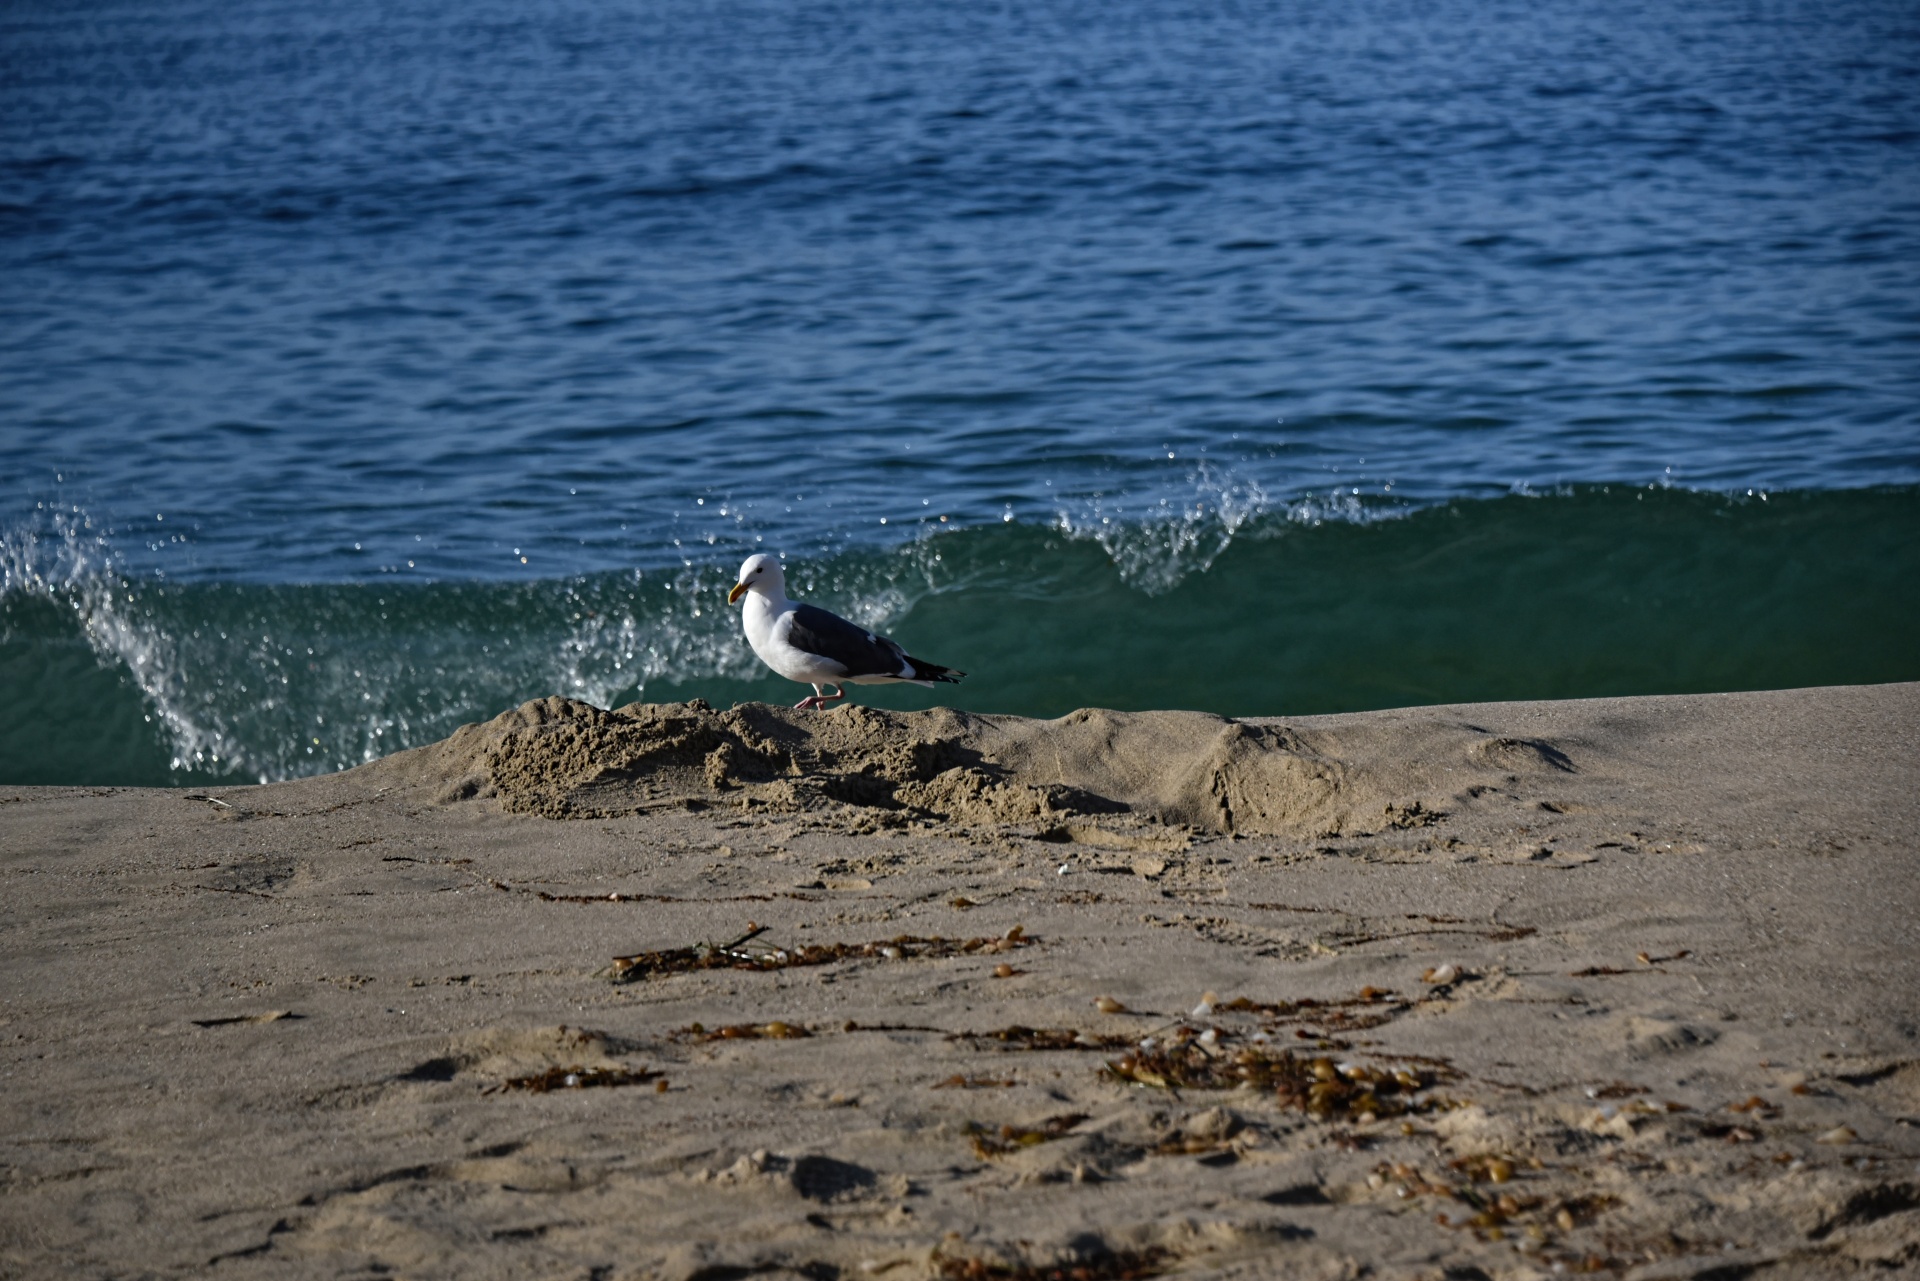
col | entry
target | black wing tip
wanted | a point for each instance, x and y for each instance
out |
(934, 672)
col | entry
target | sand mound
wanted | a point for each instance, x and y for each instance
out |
(564, 759)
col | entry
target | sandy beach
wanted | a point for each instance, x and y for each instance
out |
(1627, 986)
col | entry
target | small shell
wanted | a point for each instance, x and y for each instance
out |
(1839, 1134)
(1441, 974)
(1003, 971)
(891, 953)
(1499, 1170)
(1107, 1005)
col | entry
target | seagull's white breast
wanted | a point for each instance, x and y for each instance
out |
(766, 624)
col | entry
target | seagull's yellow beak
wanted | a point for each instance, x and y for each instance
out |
(739, 590)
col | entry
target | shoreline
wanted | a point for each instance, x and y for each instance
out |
(1622, 983)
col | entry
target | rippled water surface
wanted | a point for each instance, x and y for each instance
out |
(525, 322)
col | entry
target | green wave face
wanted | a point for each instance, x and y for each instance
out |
(1595, 592)
(1591, 594)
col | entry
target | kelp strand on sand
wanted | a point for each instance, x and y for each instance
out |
(777, 1030)
(576, 1078)
(747, 953)
(1131, 1265)
(1318, 1086)
(988, 1144)
(1017, 1037)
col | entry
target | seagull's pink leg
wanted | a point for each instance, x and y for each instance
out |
(820, 699)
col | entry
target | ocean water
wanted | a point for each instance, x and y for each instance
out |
(368, 368)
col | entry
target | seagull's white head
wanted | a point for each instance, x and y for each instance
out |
(761, 574)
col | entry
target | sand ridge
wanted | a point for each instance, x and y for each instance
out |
(865, 768)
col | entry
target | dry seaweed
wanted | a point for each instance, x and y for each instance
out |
(1493, 1215)
(748, 953)
(1371, 1007)
(626, 897)
(1193, 1145)
(778, 1030)
(1132, 1265)
(1216, 1134)
(1489, 1167)
(1010, 1138)
(1616, 1090)
(1502, 934)
(959, 1081)
(271, 1016)
(574, 1078)
(1044, 1038)
(1495, 933)
(1645, 958)
(1308, 1007)
(1317, 1086)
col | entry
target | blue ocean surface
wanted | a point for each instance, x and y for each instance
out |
(368, 368)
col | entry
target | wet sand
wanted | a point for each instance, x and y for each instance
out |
(1502, 990)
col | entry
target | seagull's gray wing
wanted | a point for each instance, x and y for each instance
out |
(859, 651)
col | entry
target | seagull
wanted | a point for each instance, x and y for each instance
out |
(807, 644)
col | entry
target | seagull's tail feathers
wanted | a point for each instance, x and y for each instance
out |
(928, 673)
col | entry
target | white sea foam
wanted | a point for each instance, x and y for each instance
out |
(691, 635)
(1157, 545)
(64, 559)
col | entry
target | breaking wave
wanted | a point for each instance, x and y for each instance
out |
(1230, 603)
